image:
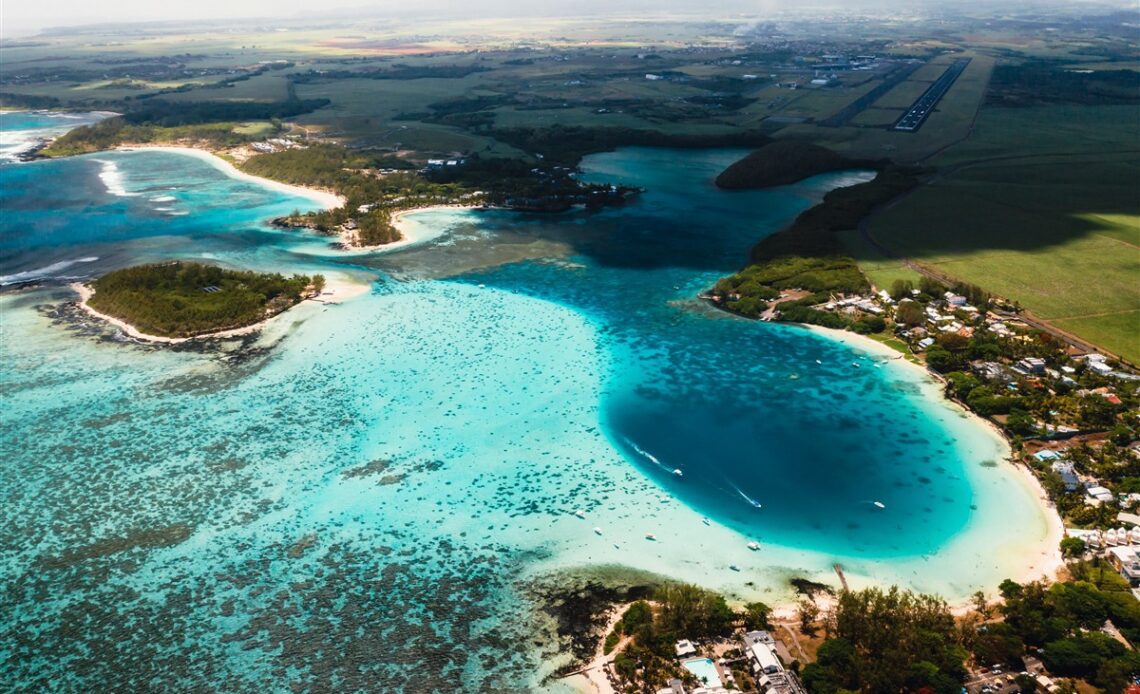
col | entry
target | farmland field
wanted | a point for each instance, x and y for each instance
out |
(1054, 228)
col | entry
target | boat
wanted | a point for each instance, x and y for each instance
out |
(734, 567)
(706, 521)
(818, 361)
(855, 364)
(677, 472)
(597, 531)
(580, 513)
(754, 546)
(651, 537)
(880, 504)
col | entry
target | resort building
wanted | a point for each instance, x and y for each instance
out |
(685, 648)
(1099, 495)
(760, 649)
(1126, 560)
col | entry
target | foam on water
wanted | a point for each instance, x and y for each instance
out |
(370, 490)
(45, 272)
(21, 131)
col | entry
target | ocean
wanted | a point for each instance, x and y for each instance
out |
(367, 495)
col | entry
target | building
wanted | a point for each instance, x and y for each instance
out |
(760, 648)
(1126, 560)
(1100, 495)
(685, 648)
(771, 677)
(675, 687)
(1067, 473)
(1031, 365)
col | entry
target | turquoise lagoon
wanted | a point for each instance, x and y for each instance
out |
(359, 497)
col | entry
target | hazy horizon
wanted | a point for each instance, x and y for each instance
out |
(28, 19)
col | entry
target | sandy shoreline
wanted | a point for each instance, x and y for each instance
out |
(1045, 564)
(334, 290)
(326, 199)
(410, 235)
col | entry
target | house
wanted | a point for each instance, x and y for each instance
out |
(675, 687)
(954, 299)
(1067, 473)
(1031, 365)
(992, 371)
(1126, 561)
(685, 648)
(1099, 495)
(925, 342)
(1046, 454)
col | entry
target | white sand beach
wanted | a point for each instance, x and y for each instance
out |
(336, 289)
(326, 199)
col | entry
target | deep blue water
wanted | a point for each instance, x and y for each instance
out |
(362, 501)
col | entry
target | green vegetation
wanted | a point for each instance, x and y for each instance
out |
(187, 299)
(677, 611)
(567, 145)
(113, 132)
(1064, 619)
(1052, 227)
(784, 162)
(810, 256)
(888, 641)
(1038, 82)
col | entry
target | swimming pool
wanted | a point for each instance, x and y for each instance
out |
(705, 671)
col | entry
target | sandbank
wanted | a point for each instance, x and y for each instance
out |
(410, 234)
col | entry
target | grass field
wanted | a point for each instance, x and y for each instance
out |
(881, 270)
(1055, 227)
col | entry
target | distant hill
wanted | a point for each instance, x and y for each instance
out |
(783, 162)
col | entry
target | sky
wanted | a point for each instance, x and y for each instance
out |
(26, 17)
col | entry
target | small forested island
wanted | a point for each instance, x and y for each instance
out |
(180, 300)
(786, 161)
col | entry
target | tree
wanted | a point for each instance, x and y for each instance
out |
(756, 616)
(868, 325)
(901, 289)
(1020, 422)
(910, 313)
(807, 612)
(929, 286)
(981, 605)
(1072, 546)
(939, 359)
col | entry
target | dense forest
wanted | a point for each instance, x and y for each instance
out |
(784, 162)
(888, 641)
(172, 113)
(186, 299)
(112, 132)
(1043, 82)
(566, 145)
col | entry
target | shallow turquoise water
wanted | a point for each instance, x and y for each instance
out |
(20, 130)
(364, 493)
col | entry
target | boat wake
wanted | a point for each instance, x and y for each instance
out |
(653, 459)
(752, 502)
